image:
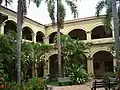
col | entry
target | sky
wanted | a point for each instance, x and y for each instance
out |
(86, 8)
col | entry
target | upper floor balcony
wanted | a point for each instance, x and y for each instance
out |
(96, 35)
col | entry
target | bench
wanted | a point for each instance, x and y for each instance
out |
(97, 84)
(107, 85)
(64, 80)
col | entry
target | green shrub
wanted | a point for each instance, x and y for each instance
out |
(109, 75)
(36, 84)
(32, 84)
(77, 73)
(15, 86)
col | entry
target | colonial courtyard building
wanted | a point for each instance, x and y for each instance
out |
(88, 29)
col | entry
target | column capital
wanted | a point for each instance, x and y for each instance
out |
(90, 58)
(2, 24)
(46, 37)
(33, 34)
(89, 31)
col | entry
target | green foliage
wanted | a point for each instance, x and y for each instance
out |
(1, 68)
(77, 73)
(30, 52)
(36, 84)
(73, 52)
(117, 69)
(109, 75)
(32, 84)
(7, 54)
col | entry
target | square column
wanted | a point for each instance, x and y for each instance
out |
(46, 40)
(90, 67)
(2, 28)
(89, 36)
(33, 37)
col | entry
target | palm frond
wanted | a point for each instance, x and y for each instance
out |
(73, 7)
(107, 22)
(108, 6)
(51, 10)
(99, 7)
(61, 14)
(37, 2)
(24, 7)
(8, 2)
(108, 17)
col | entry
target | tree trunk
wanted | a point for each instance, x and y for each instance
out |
(19, 33)
(34, 67)
(33, 70)
(58, 42)
(59, 50)
(36, 70)
(116, 28)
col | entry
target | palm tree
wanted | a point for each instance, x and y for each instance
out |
(61, 12)
(111, 11)
(22, 9)
(116, 27)
(21, 12)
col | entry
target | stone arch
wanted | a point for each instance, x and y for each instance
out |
(96, 25)
(29, 26)
(77, 27)
(27, 33)
(99, 49)
(52, 37)
(102, 63)
(54, 65)
(10, 25)
(78, 34)
(39, 36)
(11, 19)
(99, 32)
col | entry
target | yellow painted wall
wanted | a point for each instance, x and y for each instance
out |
(87, 24)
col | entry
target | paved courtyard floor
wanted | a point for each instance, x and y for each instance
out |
(86, 86)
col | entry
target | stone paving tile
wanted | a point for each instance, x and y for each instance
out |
(86, 86)
(74, 87)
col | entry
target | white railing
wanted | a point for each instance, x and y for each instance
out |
(102, 40)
